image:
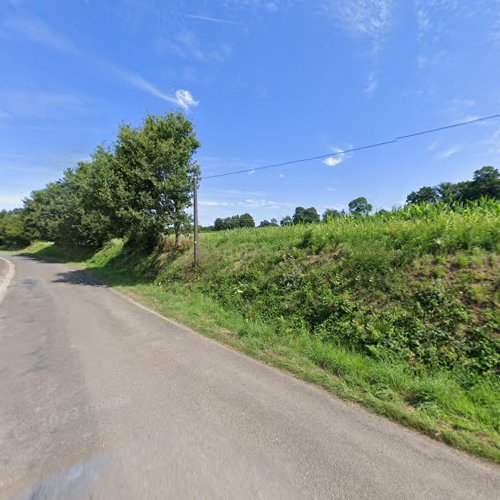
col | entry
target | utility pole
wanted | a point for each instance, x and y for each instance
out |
(195, 213)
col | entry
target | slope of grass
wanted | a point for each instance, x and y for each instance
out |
(398, 312)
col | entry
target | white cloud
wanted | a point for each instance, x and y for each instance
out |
(281, 176)
(336, 159)
(251, 172)
(182, 97)
(185, 99)
(38, 31)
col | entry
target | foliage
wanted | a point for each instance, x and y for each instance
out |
(485, 183)
(12, 233)
(266, 223)
(244, 220)
(140, 189)
(331, 213)
(305, 216)
(398, 310)
(360, 206)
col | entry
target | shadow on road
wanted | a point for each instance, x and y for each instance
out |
(77, 278)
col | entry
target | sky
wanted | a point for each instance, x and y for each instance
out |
(264, 81)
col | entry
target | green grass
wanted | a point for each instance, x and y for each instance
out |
(397, 312)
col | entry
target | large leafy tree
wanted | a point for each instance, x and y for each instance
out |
(154, 170)
(360, 206)
(426, 194)
(305, 215)
(246, 220)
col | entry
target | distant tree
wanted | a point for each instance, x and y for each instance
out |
(246, 220)
(330, 213)
(266, 223)
(360, 206)
(448, 192)
(305, 215)
(219, 224)
(426, 194)
(286, 221)
(485, 183)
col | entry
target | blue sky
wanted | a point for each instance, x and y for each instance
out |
(264, 81)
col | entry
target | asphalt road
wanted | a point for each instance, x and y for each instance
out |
(100, 398)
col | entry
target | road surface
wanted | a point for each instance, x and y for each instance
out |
(100, 398)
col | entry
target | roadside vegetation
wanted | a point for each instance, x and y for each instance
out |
(397, 310)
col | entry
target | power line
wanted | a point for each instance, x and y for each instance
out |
(358, 148)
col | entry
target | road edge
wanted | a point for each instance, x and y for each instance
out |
(4, 284)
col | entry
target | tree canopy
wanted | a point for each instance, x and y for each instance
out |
(140, 188)
(485, 183)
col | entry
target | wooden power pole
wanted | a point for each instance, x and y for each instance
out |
(195, 213)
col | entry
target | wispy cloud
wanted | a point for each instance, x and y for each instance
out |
(212, 19)
(36, 30)
(215, 203)
(239, 192)
(262, 203)
(371, 18)
(371, 84)
(187, 45)
(449, 152)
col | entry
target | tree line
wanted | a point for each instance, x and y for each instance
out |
(484, 184)
(139, 188)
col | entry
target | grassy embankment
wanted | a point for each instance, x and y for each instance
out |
(398, 313)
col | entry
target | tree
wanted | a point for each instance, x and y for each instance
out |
(330, 213)
(426, 194)
(360, 206)
(219, 224)
(305, 215)
(448, 192)
(12, 232)
(154, 171)
(246, 220)
(286, 221)
(266, 223)
(485, 183)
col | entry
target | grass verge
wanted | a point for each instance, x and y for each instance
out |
(437, 402)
